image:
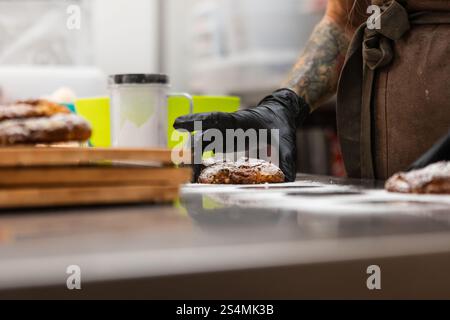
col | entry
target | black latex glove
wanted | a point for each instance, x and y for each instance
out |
(282, 110)
(439, 152)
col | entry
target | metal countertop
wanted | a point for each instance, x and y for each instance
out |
(303, 239)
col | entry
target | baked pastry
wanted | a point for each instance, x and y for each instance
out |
(58, 128)
(434, 179)
(31, 109)
(244, 171)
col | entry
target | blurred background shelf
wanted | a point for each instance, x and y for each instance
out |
(242, 48)
(237, 47)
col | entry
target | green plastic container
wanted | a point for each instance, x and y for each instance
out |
(97, 111)
(179, 106)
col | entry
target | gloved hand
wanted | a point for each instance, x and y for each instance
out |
(439, 152)
(282, 110)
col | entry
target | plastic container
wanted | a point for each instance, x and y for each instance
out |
(139, 110)
(97, 111)
(201, 104)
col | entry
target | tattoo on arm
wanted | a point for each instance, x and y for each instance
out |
(316, 74)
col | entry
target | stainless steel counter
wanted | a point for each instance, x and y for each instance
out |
(311, 239)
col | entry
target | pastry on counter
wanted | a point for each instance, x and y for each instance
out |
(244, 171)
(434, 179)
(31, 109)
(58, 128)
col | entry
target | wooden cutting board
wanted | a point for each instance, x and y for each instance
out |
(42, 156)
(93, 175)
(67, 176)
(75, 196)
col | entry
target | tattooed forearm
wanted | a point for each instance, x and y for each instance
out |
(315, 76)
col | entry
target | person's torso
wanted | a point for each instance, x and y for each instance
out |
(410, 97)
(420, 5)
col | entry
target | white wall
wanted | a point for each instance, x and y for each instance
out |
(175, 38)
(125, 40)
(126, 36)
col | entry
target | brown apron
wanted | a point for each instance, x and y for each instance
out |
(394, 90)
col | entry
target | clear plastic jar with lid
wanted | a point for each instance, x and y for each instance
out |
(139, 110)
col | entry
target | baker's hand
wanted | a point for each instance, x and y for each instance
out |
(439, 152)
(282, 110)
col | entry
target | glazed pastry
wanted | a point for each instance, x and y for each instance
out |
(31, 109)
(244, 171)
(434, 179)
(58, 128)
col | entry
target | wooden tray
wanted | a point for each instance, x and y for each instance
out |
(67, 176)
(93, 175)
(75, 196)
(43, 156)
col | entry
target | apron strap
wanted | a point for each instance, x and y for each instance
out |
(370, 50)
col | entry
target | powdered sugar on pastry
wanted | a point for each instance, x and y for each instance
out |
(31, 109)
(433, 179)
(243, 171)
(58, 128)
